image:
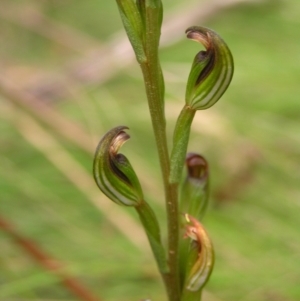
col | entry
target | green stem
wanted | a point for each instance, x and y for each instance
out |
(151, 76)
(155, 93)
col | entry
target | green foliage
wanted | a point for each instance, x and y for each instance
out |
(254, 225)
(185, 272)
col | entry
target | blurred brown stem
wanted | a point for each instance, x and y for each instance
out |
(97, 65)
(50, 264)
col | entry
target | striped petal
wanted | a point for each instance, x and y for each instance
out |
(113, 172)
(212, 70)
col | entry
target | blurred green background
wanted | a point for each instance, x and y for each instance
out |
(68, 76)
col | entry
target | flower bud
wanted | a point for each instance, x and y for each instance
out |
(201, 257)
(194, 193)
(113, 172)
(212, 70)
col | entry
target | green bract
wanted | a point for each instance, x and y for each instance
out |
(113, 172)
(134, 26)
(212, 70)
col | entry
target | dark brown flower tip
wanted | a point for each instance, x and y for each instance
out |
(197, 166)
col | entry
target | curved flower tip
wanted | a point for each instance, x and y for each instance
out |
(200, 271)
(212, 70)
(197, 167)
(113, 172)
(194, 193)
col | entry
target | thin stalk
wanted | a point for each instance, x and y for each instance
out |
(154, 85)
(155, 93)
(171, 190)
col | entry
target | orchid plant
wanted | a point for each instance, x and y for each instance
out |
(186, 263)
